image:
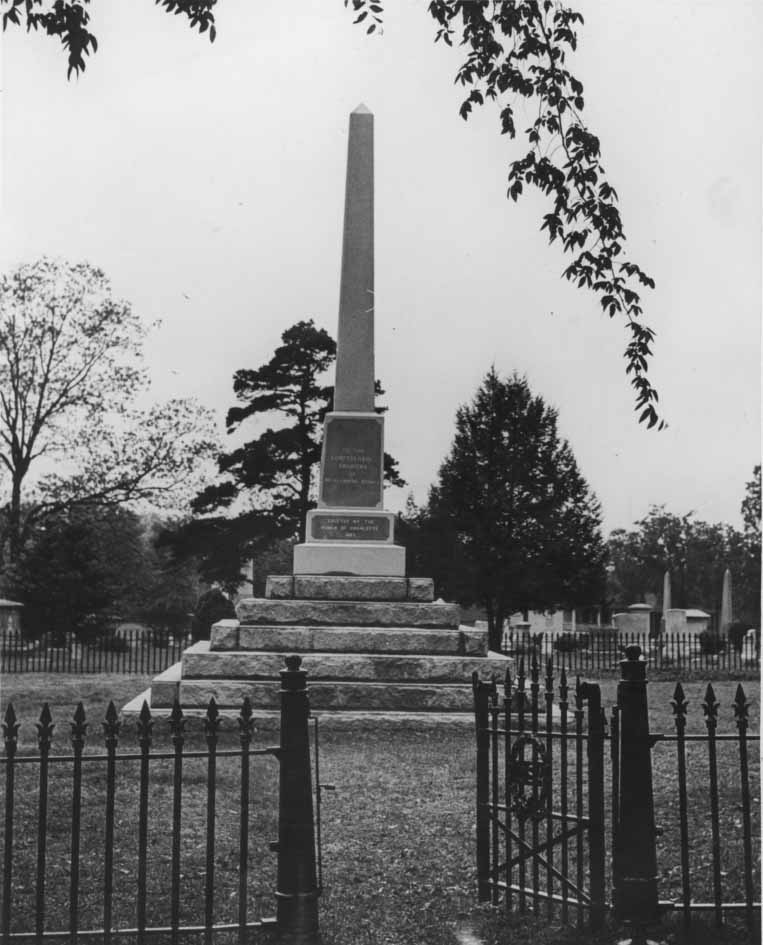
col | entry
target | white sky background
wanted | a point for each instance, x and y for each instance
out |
(207, 181)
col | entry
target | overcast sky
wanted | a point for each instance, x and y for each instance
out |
(207, 181)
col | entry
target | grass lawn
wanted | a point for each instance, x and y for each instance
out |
(398, 828)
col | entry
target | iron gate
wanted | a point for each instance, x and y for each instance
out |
(541, 812)
(540, 794)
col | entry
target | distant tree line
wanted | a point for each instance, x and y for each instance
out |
(696, 554)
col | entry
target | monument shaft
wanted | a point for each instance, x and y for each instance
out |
(350, 533)
(354, 386)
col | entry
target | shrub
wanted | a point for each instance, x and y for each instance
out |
(566, 642)
(212, 606)
(737, 632)
(114, 643)
(710, 643)
(96, 629)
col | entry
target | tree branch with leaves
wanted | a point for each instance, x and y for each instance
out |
(515, 50)
(69, 22)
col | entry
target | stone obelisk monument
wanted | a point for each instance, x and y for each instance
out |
(372, 639)
(350, 533)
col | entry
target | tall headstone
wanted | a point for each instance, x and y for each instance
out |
(349, 532)
(727, 613)
(666, 599)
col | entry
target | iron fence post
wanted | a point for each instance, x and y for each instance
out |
(483, 787)
(297, 886)
(635, 853)
(592, 693)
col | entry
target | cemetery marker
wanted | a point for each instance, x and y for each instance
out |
(350, 533)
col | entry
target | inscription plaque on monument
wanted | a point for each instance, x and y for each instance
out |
(351, 466)
(349, 527)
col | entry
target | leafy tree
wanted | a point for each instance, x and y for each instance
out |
(751, 508)
(515, 49)
(69, 375)
(81, 569)
(663, 542)
(276, 559)
(170, 595)
(88, 565)
(748, 583)
(217, 547)
(511, 523)
(273, 475)
(212, 606)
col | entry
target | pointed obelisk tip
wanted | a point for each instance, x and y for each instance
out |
(362, 110)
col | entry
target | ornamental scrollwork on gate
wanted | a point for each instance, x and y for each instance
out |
(528, 778)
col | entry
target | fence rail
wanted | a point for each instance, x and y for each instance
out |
(598, 651)
(129, 651)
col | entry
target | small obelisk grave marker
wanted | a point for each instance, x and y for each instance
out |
(349, 533)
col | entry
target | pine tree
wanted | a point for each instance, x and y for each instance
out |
(269, 481)
(275, 469)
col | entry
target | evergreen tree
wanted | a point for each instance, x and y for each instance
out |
(268, 483)
(275, 469)
(511, 523)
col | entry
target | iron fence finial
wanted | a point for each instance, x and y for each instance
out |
(679, 701)
(78, 726)
(741, 705)
(45, 728)
(111, 725)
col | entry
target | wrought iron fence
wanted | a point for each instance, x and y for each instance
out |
(600, 651)
(715, 782)
(128, 651)
(159, 827)
(651, 834)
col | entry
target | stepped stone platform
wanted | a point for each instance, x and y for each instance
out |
(372, 647)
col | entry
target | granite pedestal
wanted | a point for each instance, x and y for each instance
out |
(371, 647)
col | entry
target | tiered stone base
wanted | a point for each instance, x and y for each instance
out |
(369, 645)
